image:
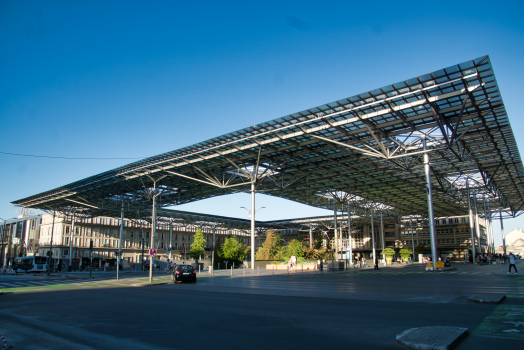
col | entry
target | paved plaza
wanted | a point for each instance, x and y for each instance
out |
(360, 309)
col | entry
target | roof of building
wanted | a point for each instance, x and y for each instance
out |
(367, 148)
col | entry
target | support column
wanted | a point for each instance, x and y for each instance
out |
(119, 255)
(71, 242)
(170, 240)
(50, 257)
(486, 224)
(502, 231)
(350, 242)
(431, 216)
(335, 235)
(153, 232)
(252, 226)
(412, 239)
(477, 223)
(213, 252)
(471, 229)
(491, 230)
(382, 237)
(373, 238)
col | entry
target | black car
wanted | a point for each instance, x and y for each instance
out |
(184, 273)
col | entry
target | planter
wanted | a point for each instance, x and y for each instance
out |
(389, 259)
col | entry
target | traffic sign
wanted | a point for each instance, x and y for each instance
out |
(168, 249)
(152, 252)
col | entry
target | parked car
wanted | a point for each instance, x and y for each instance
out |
(184, 273)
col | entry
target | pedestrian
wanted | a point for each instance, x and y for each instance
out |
(321, 265)
(168, 266)
(512, 263)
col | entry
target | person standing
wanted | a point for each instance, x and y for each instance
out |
(512, 263)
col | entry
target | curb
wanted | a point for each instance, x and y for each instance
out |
(146, 284)
(487, 298)
(431, 338)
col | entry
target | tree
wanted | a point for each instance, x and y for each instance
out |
(388, 252)
(293, 248)
(267, 251)
(197, 248)
(405, 253)
(233, 251)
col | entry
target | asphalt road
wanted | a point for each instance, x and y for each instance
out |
(359, 310)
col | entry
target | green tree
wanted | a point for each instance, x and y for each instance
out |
(388, 252)
(197, 248)
(405, 253)
(293, 248)
(233, 251)
(267, 251)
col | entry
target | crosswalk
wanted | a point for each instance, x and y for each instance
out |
(22, 284)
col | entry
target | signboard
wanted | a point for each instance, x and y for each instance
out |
(439, 264)
(429, 267)
(16, 240)
(183, 249)
(152, 252)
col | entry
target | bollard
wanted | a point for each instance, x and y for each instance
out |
(258, 271)
(302, 269)
(273, 269)
(231, 270)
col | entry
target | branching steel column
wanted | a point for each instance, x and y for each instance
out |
(430, 206)
(502, 231)
(350, 243)
(477, 223)
(119, 256)
(486, 224)
(412, 239)
(382, 231)
(252, 226)
(153, 232)
(50, 257)
(335, 236)
(213, 252)
(471, 229)
(71, 241)
(170, 240)
(373, 238)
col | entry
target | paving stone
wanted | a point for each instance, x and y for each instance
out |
(431, 338)
(487, 298)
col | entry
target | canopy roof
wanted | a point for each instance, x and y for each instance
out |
(362, 149)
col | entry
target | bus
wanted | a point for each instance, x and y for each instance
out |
(30, 264)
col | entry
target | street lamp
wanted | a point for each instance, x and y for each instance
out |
(256, 211)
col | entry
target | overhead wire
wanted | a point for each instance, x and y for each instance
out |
(69, 158)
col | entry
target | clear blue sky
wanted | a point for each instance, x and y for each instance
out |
(135, 78)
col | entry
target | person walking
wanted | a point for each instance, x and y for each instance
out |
(512, 263)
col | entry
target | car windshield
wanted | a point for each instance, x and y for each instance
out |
(185, 268)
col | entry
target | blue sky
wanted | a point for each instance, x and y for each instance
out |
(126, 79)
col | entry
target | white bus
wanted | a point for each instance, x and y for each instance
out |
(30, 264)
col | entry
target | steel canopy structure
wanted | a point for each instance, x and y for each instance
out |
(361, 149)
(428, 146)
